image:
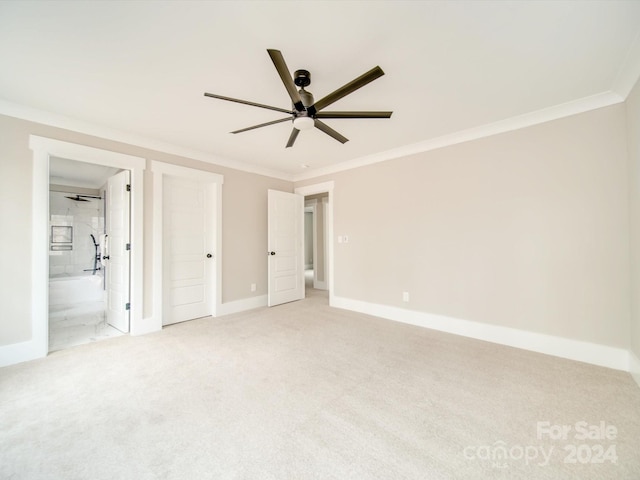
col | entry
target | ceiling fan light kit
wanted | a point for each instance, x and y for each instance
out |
(305, 112)
(303, 123)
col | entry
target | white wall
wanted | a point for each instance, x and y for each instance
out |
(525, 230)
(244, 223)
(85, 219)
(308, 239)
(633, 137)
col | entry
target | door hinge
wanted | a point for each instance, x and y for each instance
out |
(127, 306)
(127, 246)
(128, 188)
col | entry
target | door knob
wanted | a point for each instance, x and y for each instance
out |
(209, 255)
(105, 257)
(272, 253)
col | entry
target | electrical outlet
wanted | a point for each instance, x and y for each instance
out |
(253, 287)
(405, 296)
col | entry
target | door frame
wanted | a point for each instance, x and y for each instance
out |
(43, 148)
(159, 170)
(326, 187)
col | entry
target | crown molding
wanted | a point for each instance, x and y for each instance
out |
(24, 112)
(624, 84)
(537, 117)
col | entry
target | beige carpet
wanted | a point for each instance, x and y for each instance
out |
(303, 391)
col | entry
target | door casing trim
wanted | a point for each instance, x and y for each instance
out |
(43, 148)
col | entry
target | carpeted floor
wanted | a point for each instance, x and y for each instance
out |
(304, 391)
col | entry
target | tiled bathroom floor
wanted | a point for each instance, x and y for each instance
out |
(72, 325)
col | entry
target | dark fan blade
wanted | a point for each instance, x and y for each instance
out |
(353, 114)
(253, 104)
(285, 75)
(292, 137)
(352, 86)
(330, 131)
(263, 125)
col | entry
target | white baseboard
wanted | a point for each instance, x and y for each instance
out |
(596, 354)
(146, 325)
(242, 305)
(634, 366)
(20, 352)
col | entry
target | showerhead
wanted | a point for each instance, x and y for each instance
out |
(83, 198)
(77, 198)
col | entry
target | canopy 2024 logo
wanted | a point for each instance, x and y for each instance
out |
(583, 432)
(584, 443)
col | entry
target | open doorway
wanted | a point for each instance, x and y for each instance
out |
(319, 203)
(43, 150)
(309, 234)
(83, 282)
(315, 241)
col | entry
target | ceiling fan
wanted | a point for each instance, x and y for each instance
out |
(306, 112)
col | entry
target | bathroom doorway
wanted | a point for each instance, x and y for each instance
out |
(44, 149)
(80, 269)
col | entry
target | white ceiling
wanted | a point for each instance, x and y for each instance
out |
(78, 174)
(137, 71)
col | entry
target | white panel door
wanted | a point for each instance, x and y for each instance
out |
(285, 249)
(188, 239)
(118, 254)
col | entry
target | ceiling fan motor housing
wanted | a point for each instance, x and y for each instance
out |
(302, 78)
